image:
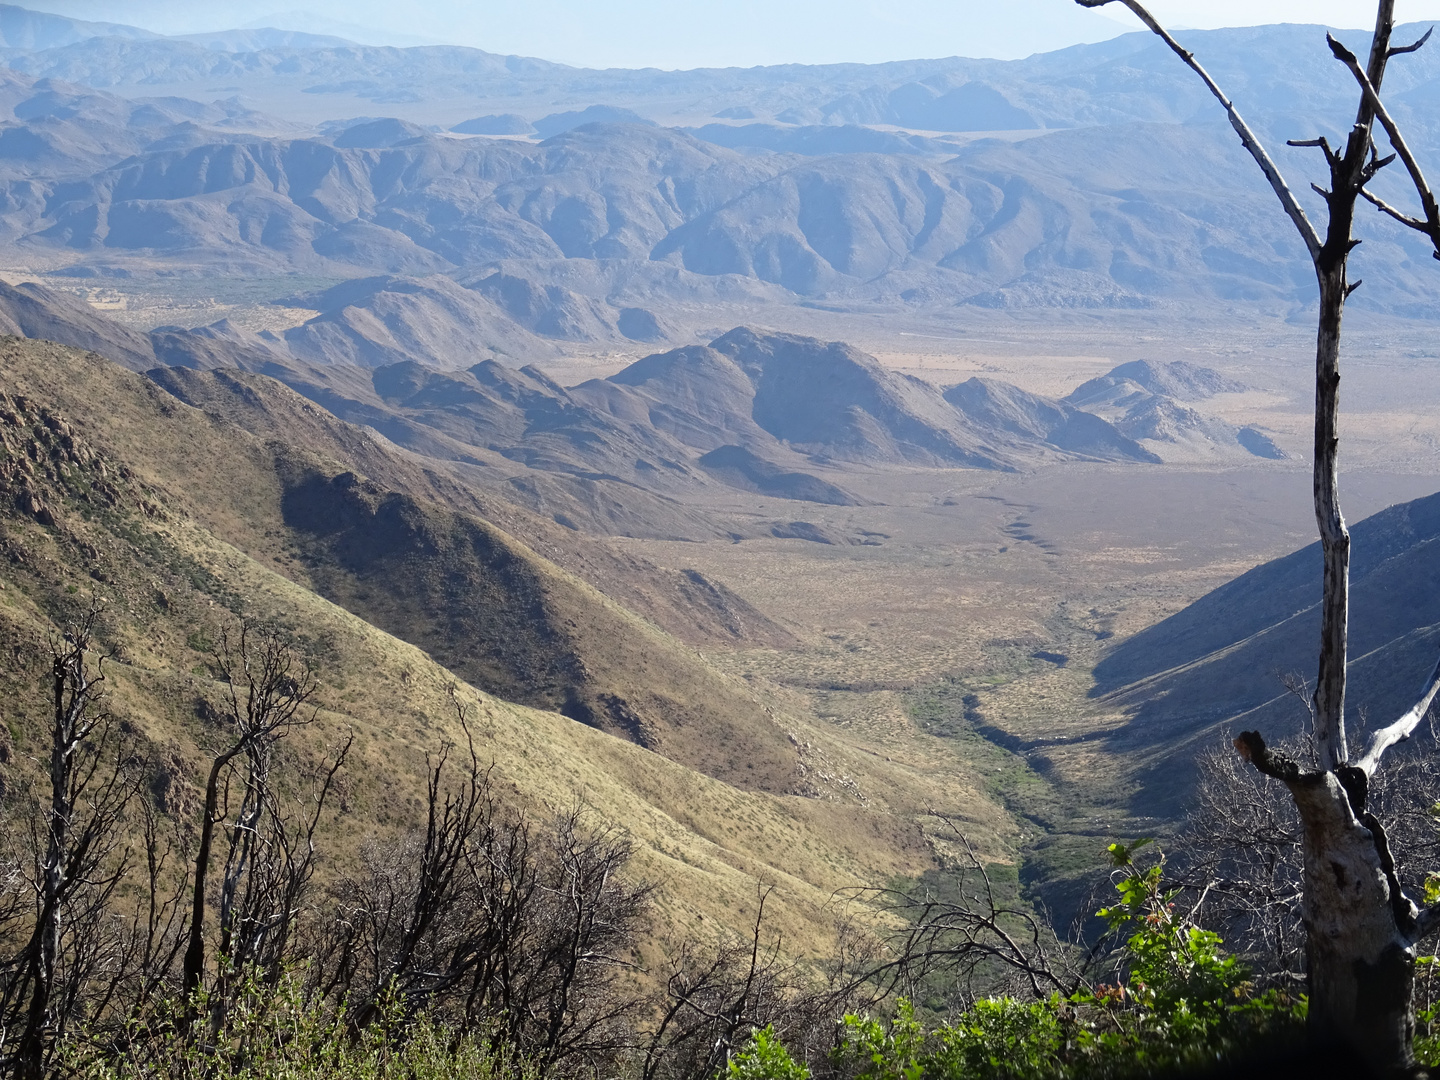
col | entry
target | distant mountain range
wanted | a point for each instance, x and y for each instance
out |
(1112, 183)
(1038, 223)
(1129, 78)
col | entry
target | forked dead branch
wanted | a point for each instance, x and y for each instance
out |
(1362, 930)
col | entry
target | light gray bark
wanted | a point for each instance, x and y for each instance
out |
(1361, 929)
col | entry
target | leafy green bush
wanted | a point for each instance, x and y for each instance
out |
(997, 1037)
(1002, 1037)
(1177, 1001)
(764, 1058)
(1182, 1001)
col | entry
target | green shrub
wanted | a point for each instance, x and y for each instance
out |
(276, 1034)
(996, 1039)
(764, 1058)
(1002, 1038)
(1178, 1002)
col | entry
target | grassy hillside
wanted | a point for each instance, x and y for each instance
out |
(475, 599)
(182, 523)
(682, 602)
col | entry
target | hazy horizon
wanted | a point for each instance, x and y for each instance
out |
(677, 34)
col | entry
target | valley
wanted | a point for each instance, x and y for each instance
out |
(933, 637)
(780, 465)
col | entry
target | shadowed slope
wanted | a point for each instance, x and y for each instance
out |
(499, 617)
(1063, 426)
(830, 399)
(683, 602)
(103, 500)
(33, 311)
(1221, 660)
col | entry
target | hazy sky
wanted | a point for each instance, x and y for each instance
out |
(693, 33)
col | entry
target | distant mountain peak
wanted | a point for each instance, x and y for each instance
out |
(556, 123)
(21, 28)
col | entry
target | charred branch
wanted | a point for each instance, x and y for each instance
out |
(972, 943)
(1430, 225)
(1251, 746)
(1332, 159)
(79, 859)
(711, 1005)
(1399, 215)
(267, 689)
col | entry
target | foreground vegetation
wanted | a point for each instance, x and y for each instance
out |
(1177, 1003)
(486, 944)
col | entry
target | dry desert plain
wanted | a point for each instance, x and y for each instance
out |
(982, 601)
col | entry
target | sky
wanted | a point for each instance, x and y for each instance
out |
(705, 33)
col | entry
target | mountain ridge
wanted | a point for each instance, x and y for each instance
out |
(784, 409)
(1220, 664)
(1013, 222)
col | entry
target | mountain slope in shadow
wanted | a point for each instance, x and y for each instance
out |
(1221, 662)
(1057, 423)
(113, 491)
(683, 602)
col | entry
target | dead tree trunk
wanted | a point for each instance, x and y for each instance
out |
(90, 788)
(268, 689)
(1361, 929)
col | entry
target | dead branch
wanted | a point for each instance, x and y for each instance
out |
(1402, 728)
(267, 688)
(1251, 142)
(1430, 226)
(1242, 844)
(973, 942)
(709, 1005)
(78, 857)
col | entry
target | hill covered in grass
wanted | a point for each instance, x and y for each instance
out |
(180, 523)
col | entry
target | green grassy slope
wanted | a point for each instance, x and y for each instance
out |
(113, 490)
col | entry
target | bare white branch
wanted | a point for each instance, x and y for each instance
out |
(1251, 142)
(1400, 730)
(1398, 215)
